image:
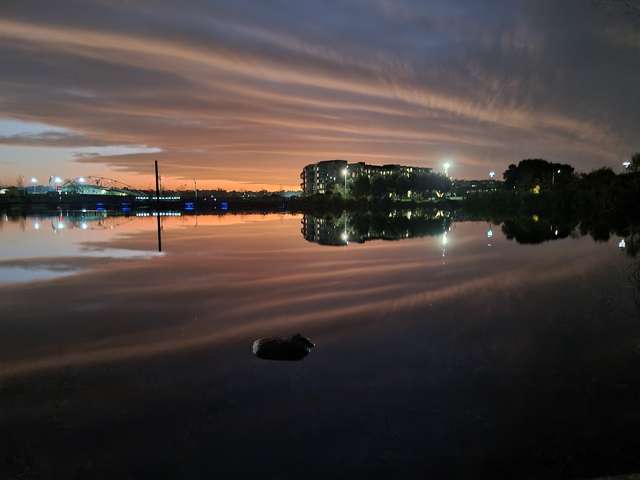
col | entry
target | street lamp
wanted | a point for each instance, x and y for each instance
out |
(446, 167)
(492, 174)
(34, 182)
(345, 171)
(626, 164)
(553, 176)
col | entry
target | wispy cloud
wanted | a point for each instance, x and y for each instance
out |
(245, 91)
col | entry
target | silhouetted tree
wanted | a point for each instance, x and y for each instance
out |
(403, 185)
(361, 186)
(635, 162)
(378, 187)
(537, 174)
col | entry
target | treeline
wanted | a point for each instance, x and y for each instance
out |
(537, 192)
(398, 186)
(537, 183)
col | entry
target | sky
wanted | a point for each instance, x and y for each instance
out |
(243, 93)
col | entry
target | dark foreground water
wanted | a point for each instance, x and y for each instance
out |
(450, 353)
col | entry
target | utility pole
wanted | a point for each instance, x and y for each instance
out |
(158, 208)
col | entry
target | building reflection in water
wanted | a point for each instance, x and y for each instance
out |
(360, 227)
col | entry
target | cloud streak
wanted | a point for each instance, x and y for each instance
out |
(245, 92)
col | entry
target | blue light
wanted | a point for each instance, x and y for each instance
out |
(189, 206)
(224, 206)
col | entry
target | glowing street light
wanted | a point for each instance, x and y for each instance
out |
(34, 180)
(446, 166)
(444, 241)
(57, 180)
(492, 174)
(81, 180)
(345, 171)
(622, 244)
(626, 164)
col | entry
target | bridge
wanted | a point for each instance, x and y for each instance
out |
(94, 185)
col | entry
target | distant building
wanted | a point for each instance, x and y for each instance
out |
(322, 177)
(464, 188)
(329, 175)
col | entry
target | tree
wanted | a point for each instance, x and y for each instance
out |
(510, 176)
(403, 185)
(361, 186)
(378, 187)
(635, 162)
(537, 174)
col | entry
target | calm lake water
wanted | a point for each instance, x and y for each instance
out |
(446, 350)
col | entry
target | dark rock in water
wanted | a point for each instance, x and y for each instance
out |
(293, 348)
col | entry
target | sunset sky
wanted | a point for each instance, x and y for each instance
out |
(242, 94)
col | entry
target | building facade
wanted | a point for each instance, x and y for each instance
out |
(330, 175)
(322, 177)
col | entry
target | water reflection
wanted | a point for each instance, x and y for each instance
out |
(55, 244)
(440, 371)
(534, 229)
(360, 227)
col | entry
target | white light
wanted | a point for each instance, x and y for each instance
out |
(489, 233)
(492, 174)
(84, 225)
(34, 180)
(558, 170)
(345, 237)
(36, 226)
(60, 225)
(622, 244)
(445, 240)
(345, 171)
(81, 179)
(556, 232)
(57, 180)
(626, 164)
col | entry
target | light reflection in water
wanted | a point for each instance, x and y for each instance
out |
(411, 356)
